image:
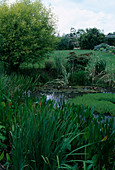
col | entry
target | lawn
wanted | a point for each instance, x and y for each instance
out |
(108, 57)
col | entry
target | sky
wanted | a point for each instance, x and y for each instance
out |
(82, 14)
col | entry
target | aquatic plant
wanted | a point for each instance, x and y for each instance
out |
(102, 102)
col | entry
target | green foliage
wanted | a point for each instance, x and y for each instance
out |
(4, 156)
(78, 78)
(2, 138)
(78, 62)
(57, 41)
(13, 91)
(113, 51)
(110, 39)
(102, 102)
(96, 55)
(53, 137)
(65, 43)
(58, 64)
(44, 136)
(100, 66)
(49, 65)
(48, 137)
(100, 70)
(90, 38)
(28, 32)
(1, 43)
(66, 75)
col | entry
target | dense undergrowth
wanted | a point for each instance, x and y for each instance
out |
(40, 135)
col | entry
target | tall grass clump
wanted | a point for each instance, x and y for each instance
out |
(14, 90)
(46, 137)
(67, 137)
(101, 71)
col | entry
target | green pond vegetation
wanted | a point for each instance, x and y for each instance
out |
(103, 103)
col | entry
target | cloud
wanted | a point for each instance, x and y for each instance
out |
(83, 14)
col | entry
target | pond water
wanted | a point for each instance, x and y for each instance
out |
(59, 96)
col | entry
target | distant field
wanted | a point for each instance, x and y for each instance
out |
(110, 58)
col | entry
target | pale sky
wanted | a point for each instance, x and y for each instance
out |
(82, 14)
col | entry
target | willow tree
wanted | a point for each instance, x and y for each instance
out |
(28, 31)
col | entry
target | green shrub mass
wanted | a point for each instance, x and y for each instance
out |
(40, 135)
(90, 38)
(102, 102)
(27, 30)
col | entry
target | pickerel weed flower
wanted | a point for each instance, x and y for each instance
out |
(9, 104)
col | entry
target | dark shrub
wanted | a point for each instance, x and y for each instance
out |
(49, 65)
(113, 51)
(78, 62)
(78, 78)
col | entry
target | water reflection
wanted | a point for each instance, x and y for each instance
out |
(57, 96)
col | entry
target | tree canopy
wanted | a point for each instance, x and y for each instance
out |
(65, 43)
(90, 38)
(110, 39)
(28, 31)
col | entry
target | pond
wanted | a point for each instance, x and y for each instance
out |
(58, 96)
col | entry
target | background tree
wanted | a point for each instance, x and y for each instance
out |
(110, 39)
(28, 30)
(90, 38)
(72, 32)
(67, 42)
(80, 32)
(63, 43)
